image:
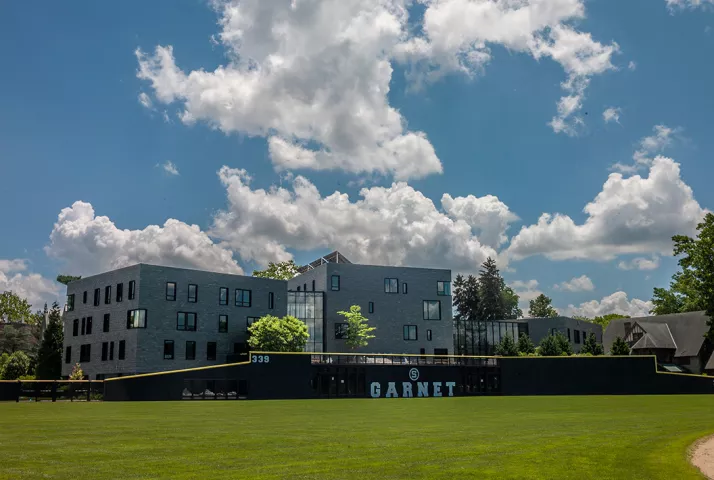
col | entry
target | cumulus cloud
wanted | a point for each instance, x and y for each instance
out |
(618, 302)
(91, 244)
(640, 263)
(576, 284)
(611, 114)
(395, 225)
(526, 292)
(648, 147)
(170, 168)
(33, 287)
(635, 215)
(674, 5)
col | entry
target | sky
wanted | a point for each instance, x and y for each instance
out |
(568, 139)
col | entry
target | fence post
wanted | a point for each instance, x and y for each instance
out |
(54, 391)
(89, 390)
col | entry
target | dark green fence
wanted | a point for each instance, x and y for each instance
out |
(51, 390)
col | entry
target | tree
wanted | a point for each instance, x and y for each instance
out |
(605, 320)
(506, 347)
(591, 346)
(491, 283)
(525, 345)
(510, 301)
(273, 334)
(16, 367)
(619, 347)
(65, 279)
(278, 271)
(3, 361)
(358, 332)
(466, 298)
(77, 373)
(563, 344)
(540, 307)
(49, 355)
(14, 338)
(13, 308)
(549, 347)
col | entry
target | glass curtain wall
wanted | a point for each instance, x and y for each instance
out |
(308, 307)
(474, 337)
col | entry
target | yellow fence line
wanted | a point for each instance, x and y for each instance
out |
(51, 381)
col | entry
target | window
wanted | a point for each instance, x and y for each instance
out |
(68, 355)
(371, 307)
(577, 336)
(428, 335)
(223, 296)
(105, 351)
(404, 288)
(85, 353)
(313, 285)
(410, 332)
(211, 351)
(136, 318)
(585, 336)
(106, 323)
(432, 309)
(75, 327)
(186, 321)
(70, 302)
(120, 292)
(304, 287)
(84, 297)
(122, 349)
(107, 295)
(335, 283)
(340, 331)
(222, 323)
(242, 298)
(168, 349)
(132, 290)
(89, 325)
(298, 288)
(391, 285)
(441, 351)
(97, 292)
(568, 334)
(192, 293)
(190, 350)
(250, 321)
(443, 288)
(271, 300)
(111, 351)
(84, 325)
(171, 291)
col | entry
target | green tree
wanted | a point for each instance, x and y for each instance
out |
(525, 345)
(358, 331)
(16, 366)
(591, 346)
(510, 300)
(466, 298)
(540, 307)
(14, 338)
(278, 271)
(490, 292)
(619, 347)
(563, 344)
(49, 355)
(506, 347)
(549, 347)
(605, 320)
(3, 361)
(65, 279)
(13, 308)
(274, 334)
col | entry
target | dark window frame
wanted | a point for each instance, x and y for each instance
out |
(111, 351)
(341, 330)
(192, 350)
(186, 323)
(120, 293)
(250, 321)
(404, 288)
(105, 351)
(222, 326)
(122, 349)
(130, 324)
(271, 300)
(220, 292)
(84, 297)
(171, 353)
(84, 325)
(443, 288)
(406, 333)
(108, 295)
(85, 353)
(370, 307)
(75, 327)
(210, 345)
(313, 285)
(391, 285)
(195, 293)
(333, 287)
(132, 290)
(576, 336)
(97, 295)
(89, 325)
(428, 335)
(242, 302)
(171, 298)
(70, 302)
(426, 310)
(68, 354)
(107, 321)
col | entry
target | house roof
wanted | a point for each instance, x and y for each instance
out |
(687, 330)
(710, 363)
(657, 335)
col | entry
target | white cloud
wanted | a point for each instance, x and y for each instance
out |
(33, 287)
(526, 292)
(91, 244)
(632, 66)
(615, 303)
(611, 114)
(674, 5)
(576, 284)
(396, 225)
(649, 146)
(170, 168)
(640, 263)
(145, 100)
(635, 215)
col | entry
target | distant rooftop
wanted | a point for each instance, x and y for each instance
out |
(334, 257)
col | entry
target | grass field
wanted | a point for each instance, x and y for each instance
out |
(455, 438)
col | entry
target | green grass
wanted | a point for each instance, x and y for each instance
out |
(453, 438)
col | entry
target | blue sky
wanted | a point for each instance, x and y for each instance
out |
(73, 128)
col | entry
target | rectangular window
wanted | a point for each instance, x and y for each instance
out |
(75, 327)
(428, 335)
(171, 291)
(391, 285)
(242, 298)
(192, 293)
(271, 300)
(223, 296)
(298, 288)
(443, 288)
(186, 321)
(211, 351)
(105, 351)
(222, 323)
(120, 292)
(249, 321)
(84, 297)
(190, 350)
(432, 309)
(89, 325)
(168, 349)
(97, 293)
(404, 288)
(132, 290)
(70, 302)
(340, 331)
(304, 287)
(85, 353)
(335, 283)
(111, 351)
(122, 349)
(136, 318)
(84, 325)
(410, 332)
(313, 285)
(371, 307)
(577, 336)
(441, 351)
(568, 334)
(107, 294)
(68, 355)
(106, 323)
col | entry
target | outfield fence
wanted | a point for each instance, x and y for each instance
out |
(51, 390)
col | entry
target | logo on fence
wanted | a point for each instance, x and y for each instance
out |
(413, 374)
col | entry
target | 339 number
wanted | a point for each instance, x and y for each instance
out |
(261, 358)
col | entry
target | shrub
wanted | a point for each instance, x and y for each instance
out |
(16, 366)
(506, 347)
(549, 347)
(591, 346)
(619, 347)
(525, 345)
(77, 373)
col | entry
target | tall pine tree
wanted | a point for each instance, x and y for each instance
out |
(491, 292)
(466, 298)
(49, 356)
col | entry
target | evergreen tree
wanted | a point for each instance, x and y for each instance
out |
(49, 355)
(540, 307)
(525, 344)
(619, 347)
(563, 344)
(549, 347)
(591, 346)
(506, 347)
(491, 283)
(510, 299)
